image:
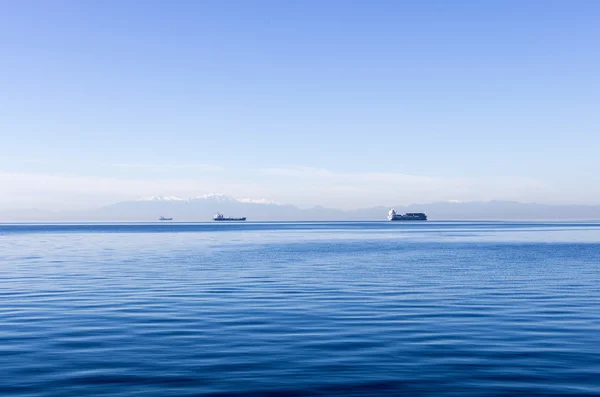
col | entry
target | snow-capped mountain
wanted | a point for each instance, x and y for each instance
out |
(210, 197)
(215, 197)
(161, 198)
(202, 209)
(199, 208)
(258, 201)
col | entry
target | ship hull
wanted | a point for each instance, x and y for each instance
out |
(229, 219)
(407, 219)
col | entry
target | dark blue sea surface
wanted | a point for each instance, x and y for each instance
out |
(295, 309)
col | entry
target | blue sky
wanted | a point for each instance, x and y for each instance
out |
(340, 103)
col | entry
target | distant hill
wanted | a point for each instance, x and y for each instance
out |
(195, 209)
(201, 209)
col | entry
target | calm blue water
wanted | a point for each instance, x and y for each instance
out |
(294, 309)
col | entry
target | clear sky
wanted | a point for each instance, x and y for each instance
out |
(340, 103)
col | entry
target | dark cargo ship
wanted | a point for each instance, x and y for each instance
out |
(409, 216)
(220, 217)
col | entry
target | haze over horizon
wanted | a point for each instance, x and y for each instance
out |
(309, 103)
(203, 208)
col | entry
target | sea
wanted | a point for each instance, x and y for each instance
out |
(300, 309)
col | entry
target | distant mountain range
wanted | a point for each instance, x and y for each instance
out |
(202, 209)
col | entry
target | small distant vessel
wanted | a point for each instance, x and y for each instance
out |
(162, 218)
(409, 216)
(220, 217)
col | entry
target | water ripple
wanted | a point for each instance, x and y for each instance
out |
(343, 309)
